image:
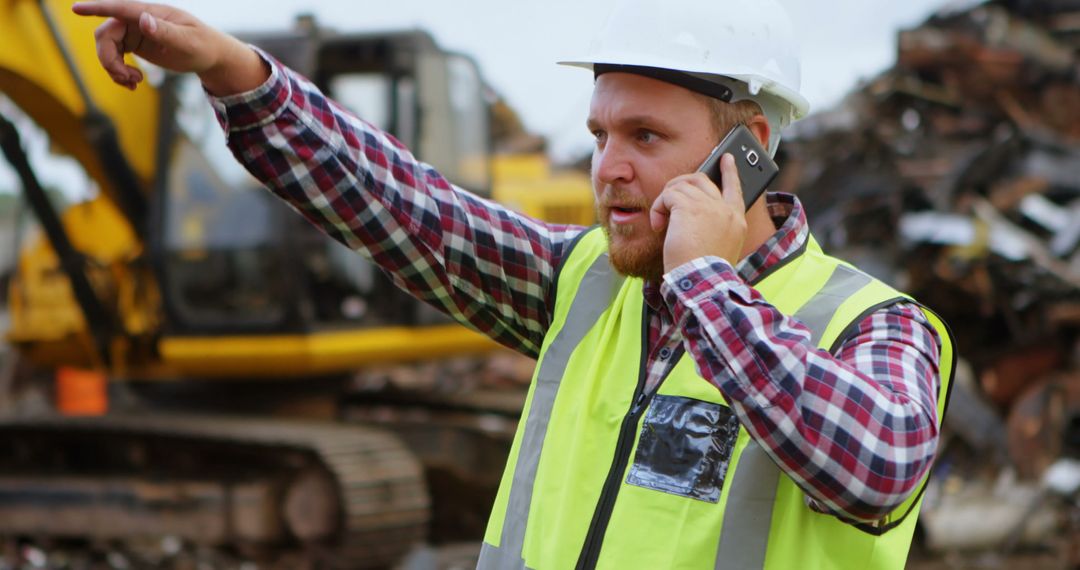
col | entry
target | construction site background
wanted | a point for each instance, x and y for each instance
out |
(954, 175)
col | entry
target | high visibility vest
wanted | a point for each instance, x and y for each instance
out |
(601, 475)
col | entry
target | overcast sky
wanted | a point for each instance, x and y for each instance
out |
(516, 44)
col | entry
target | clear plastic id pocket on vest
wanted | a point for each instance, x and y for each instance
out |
(684, 448)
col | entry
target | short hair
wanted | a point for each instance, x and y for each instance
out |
(726, 115)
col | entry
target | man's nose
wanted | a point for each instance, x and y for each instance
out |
(611, 164)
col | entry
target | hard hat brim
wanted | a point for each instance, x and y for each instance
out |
(800, 106)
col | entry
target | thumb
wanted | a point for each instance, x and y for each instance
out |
(165, 36)
(153, 28)
(169, 44)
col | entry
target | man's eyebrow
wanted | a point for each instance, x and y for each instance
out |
(632, 122)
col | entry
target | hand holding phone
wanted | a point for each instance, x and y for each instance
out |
(756, 168)
(701, 222)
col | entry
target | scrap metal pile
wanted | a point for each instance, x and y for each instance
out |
(955, 175)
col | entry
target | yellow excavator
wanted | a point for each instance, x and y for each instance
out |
(230, 331)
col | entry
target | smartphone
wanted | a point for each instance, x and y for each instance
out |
(756, 168)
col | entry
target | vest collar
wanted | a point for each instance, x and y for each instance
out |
(792, 233)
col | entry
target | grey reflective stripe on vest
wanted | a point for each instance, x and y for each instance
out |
(592, 299)
(744, 538)
(819, 310)
(748, 514)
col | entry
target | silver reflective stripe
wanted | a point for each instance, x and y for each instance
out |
(592, 299)
(748, 514)
(819, 310)
(744, 538)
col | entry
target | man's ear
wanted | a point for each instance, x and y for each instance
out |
(759, 125)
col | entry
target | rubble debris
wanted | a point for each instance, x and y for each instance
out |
(1037, 421)
(955, 175)
(975, 420)
(980, 516)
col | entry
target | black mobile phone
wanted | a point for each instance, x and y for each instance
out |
(756, 167)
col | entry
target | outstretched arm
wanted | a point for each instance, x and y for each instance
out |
(476, 260)
(483, 264)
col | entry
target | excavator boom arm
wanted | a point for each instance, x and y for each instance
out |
(48, 72)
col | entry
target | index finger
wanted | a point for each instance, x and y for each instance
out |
(732, 190)
(111, 9)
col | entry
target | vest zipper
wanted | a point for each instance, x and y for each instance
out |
(594, 539)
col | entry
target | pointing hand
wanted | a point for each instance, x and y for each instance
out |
(173, 39)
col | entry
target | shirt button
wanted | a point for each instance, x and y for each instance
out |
(665, 353)
(686, 284)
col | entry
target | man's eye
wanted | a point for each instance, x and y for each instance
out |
(599, 136)
(647, 136)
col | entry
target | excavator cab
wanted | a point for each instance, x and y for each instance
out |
(228, 282)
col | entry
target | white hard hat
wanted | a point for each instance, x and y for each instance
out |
(750, 41)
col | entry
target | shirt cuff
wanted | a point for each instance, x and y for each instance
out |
(693, 282)
(258, 107)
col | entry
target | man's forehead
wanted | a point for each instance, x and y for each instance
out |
(638, 96)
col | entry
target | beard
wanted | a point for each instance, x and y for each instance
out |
(632, 251)
(644, 259)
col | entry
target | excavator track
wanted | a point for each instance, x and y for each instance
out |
(342, 496)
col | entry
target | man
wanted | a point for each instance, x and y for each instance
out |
(712, 391)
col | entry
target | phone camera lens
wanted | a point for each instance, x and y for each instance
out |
(752, 158)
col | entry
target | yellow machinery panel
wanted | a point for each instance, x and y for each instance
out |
(316, 353)
(33, 75)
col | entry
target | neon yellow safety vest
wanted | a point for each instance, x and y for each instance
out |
(602, 476)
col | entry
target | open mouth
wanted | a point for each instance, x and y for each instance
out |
(623, 214)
